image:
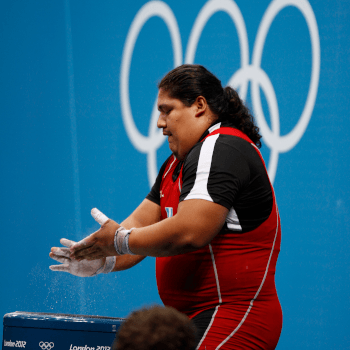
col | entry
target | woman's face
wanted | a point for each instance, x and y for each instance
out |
(180, 123)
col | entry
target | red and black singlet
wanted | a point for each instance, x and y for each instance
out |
(230, 282)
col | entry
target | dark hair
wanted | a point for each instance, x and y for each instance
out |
(156, 328)
(189, 81)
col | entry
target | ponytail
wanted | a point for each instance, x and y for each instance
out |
(235, 111)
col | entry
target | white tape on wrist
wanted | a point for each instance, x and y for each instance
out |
(109, 264)
(121, 241)
(107, 267)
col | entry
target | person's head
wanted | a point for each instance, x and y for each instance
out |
(156, 328)
(190, 100)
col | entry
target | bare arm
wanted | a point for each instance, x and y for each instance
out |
(147, 213)
(196, 223)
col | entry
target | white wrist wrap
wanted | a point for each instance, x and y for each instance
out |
(109, 264)
(121, 241)
(107, 267)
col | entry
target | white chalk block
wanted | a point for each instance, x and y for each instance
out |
(99, 216)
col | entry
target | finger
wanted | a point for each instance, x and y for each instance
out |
(85, 253)
(66, 242)
(99, 216)
(90, 257)
(61, 251)
(62, 267)
(83, 244)
(58, 258)
(95, 256)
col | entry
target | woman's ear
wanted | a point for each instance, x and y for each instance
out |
(201, 106)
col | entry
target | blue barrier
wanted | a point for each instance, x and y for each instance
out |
(30, 330)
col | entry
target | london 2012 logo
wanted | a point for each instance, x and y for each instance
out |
(249, 72)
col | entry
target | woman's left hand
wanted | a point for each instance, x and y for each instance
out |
(99, 244)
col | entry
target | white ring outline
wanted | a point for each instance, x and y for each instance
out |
(287, 142)
(240, 79)
(155, 139)
(207, 11)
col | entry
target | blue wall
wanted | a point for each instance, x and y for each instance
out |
(66, 147)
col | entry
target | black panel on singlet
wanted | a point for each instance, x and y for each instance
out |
(237, 179)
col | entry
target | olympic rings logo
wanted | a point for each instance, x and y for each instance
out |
(46, 345)
(252, 73)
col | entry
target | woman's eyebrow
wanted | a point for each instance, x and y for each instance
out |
(162, 107)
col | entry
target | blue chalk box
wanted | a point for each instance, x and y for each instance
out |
(49, 331)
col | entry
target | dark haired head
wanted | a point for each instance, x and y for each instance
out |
(189, 81)
(156, 328)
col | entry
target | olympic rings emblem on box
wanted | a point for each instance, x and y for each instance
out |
(252, 73)
(46, 345)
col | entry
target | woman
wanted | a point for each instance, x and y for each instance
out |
(211, 218)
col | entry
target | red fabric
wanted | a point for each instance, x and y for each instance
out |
(249, 314)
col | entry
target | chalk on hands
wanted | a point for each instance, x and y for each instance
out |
(99, 216)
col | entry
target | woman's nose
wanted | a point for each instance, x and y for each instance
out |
(161, 122)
